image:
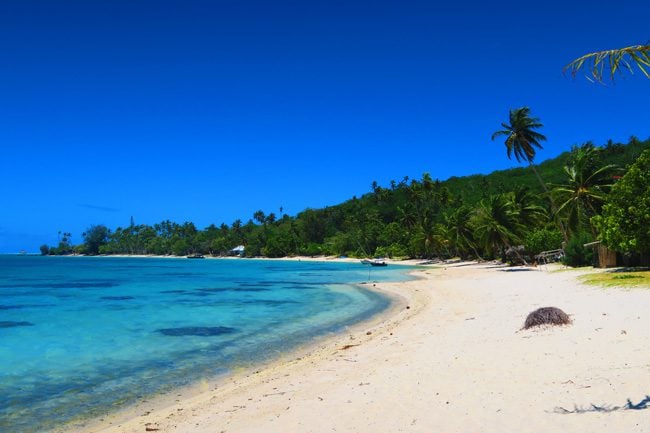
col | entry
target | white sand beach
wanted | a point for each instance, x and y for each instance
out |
(449, 358)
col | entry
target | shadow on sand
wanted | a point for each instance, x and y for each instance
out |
(643, 404)
(516, 270)
(632, 269)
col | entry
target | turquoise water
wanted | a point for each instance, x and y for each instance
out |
(83, 335)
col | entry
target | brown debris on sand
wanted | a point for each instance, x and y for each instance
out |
(349, 346)
(547, 316)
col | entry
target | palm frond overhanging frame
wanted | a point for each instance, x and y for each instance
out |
(610, 62)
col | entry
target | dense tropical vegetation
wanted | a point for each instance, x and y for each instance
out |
(624, 223)
(479, 216)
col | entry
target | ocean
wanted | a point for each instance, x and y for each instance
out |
(82, 336)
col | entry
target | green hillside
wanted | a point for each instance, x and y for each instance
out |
(471, 216)
(473, 188)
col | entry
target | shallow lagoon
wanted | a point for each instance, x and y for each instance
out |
(83, 335)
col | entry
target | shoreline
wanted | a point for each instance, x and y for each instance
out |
(325, 259)
(456, 361)
(111, 421)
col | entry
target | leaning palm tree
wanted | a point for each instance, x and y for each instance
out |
(521, 137)
(610, 62)
(522, 141)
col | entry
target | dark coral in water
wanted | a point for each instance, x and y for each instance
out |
(10, 324)
(197, 331)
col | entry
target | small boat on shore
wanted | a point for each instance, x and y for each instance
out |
(196, 256)
(374, 262)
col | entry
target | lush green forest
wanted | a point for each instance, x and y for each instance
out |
(478, 216)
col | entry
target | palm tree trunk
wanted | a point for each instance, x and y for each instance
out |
(553, 207)
(476, 252)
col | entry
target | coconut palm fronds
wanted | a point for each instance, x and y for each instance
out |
(610, 62)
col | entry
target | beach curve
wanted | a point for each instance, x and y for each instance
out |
(456, 360)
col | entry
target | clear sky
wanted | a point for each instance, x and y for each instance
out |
(206, 111)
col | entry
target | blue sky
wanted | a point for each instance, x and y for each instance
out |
(209, 110)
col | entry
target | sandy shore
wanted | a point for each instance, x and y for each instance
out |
(454, 361)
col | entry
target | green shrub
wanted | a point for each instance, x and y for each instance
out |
(542, 240)
(338, 244)
(312, 249)
(576, 254)
(391, 251)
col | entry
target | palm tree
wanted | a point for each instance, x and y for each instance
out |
(610, 62)
(432, 238)
(259, 217)
(521, 140)
(585, 189)
(236, 233)
(406, 216)
(521, 137)
(529, 212)
(496, 223)
(460, 231)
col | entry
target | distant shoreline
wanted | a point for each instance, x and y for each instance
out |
(406, 262)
